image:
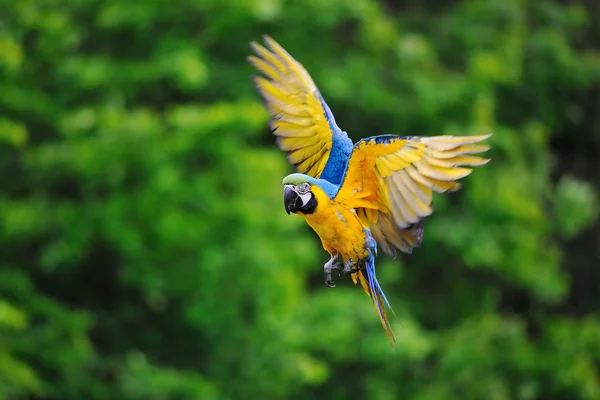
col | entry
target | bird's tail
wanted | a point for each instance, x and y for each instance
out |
(368, 280)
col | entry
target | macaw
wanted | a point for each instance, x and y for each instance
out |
(355, 196)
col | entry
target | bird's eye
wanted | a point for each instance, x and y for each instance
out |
(304, 187)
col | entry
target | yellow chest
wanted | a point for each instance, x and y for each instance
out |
(338, 227)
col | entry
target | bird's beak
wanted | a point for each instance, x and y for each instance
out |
(289, 198)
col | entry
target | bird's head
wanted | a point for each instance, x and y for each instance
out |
(297, 194)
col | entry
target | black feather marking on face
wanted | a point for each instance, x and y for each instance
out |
(310, 206)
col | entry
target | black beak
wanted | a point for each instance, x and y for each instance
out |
(289, 199)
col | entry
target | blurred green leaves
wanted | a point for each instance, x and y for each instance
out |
(12, 133)
(11, 54)
(138, 372)
(576, 206)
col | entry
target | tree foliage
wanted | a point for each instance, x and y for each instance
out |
(145, 252)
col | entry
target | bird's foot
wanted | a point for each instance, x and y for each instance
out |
(332, 264)
(350, 267)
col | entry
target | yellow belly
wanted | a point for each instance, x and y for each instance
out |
(339, 228)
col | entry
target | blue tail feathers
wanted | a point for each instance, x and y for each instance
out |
(374, 286)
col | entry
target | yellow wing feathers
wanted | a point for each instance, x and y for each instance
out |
(390, 181)
(293, 100)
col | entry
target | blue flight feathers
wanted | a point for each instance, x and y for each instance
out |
(341, 149)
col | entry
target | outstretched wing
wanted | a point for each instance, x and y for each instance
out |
(390, 181)
(300, 118)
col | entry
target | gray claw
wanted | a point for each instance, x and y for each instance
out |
(349, 267)
(333, 263)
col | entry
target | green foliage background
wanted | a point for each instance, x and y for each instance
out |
(145, 252)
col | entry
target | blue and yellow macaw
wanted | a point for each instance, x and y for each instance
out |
(355, 196)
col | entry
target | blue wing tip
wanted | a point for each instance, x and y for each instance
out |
(379, 139)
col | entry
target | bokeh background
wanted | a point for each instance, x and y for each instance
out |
(145, 252)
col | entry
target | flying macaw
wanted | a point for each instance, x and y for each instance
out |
(355, 196)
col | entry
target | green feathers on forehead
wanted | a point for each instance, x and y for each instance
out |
(298, 179)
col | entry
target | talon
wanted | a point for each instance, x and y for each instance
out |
(328, 281)
(339, 268)
(331, 264)
(349, 267)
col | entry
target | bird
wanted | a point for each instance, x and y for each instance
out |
(355, 196)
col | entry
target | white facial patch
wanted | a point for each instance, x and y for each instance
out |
(305, 197)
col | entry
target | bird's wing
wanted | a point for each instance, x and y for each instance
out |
(300, 118)
(390, 180)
